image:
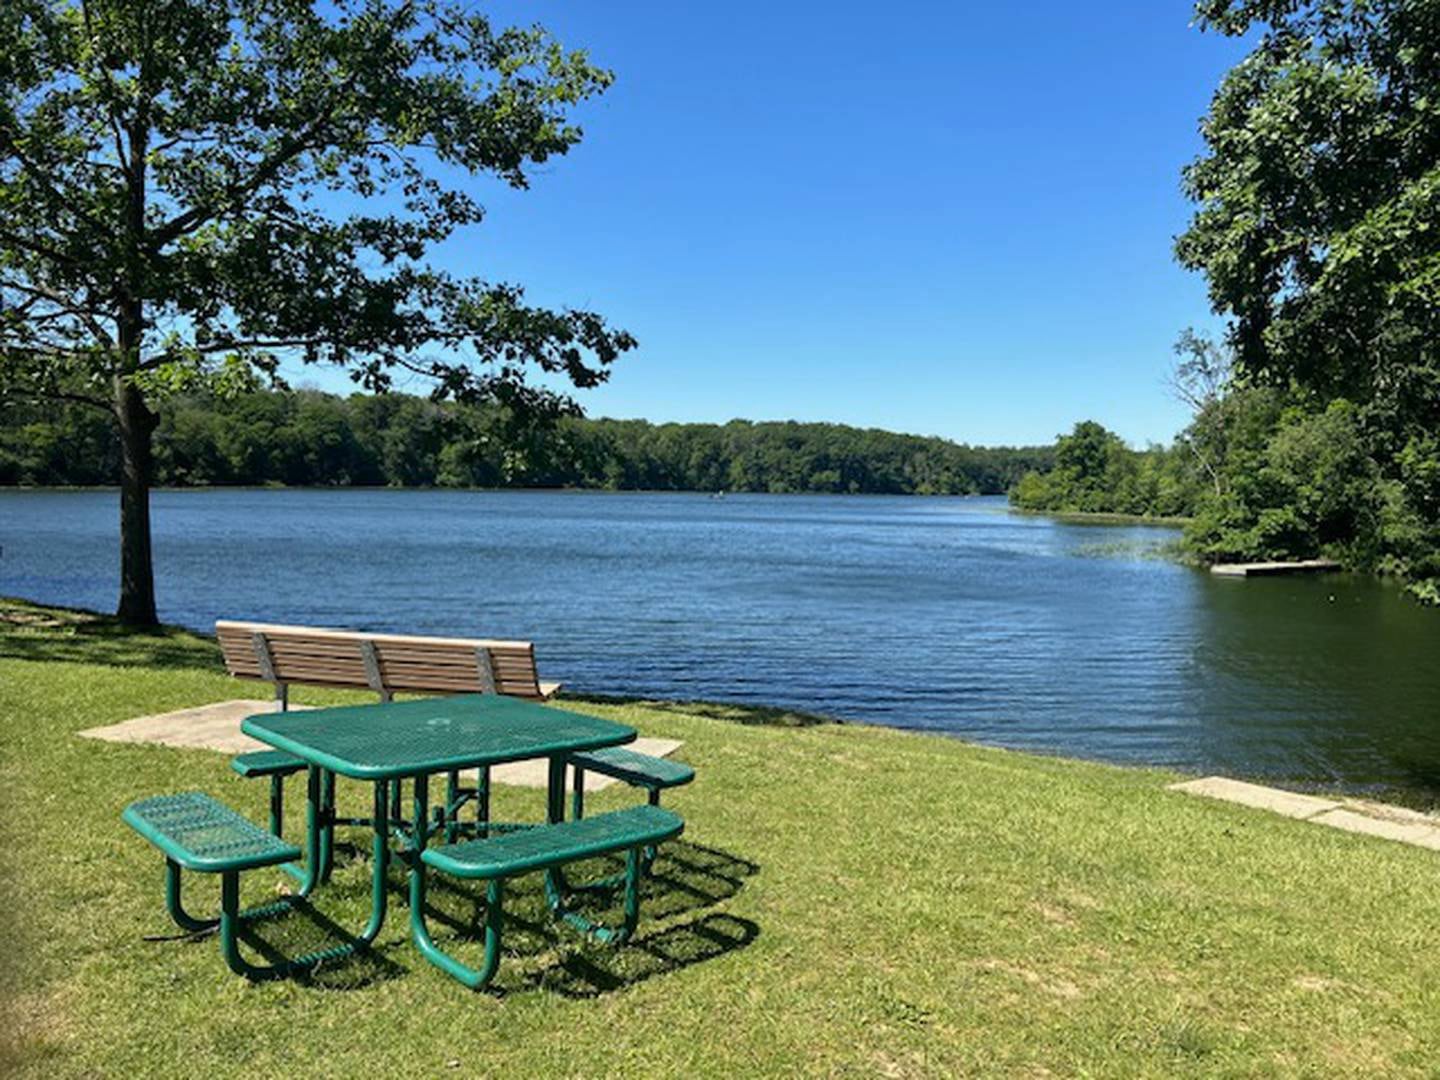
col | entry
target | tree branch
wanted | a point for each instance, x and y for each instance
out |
(86, 316)
(114, 121)
(38, 249)
(266, 169)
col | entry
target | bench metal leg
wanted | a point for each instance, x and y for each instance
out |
(183, 919)
(577, 795)
(176, 908)
(277, 803)
(231, 917)
(606, 935)
(474, 978)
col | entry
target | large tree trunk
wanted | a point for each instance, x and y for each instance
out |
(137, 571)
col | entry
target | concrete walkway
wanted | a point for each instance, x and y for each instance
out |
(217, 727)
(1352, 815)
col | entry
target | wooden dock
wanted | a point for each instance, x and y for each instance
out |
(1270, 569)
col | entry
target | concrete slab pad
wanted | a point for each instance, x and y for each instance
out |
(1390, 812)
(1406, 832)
(217, 727)
(1271, 569)
(1288, 803)
(205, 727)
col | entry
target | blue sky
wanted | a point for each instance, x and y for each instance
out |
(944, 218)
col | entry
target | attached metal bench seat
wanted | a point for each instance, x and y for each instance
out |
(199, 833)
(544, 847)
(654, 774)
(634, 768)
(267, 763)
(202, 834)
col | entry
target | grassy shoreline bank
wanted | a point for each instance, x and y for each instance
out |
(847, 900)
(1087, 517)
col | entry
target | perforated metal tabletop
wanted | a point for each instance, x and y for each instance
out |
(431, 735)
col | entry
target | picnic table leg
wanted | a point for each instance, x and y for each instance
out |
(647, 857)
(327, 821)
(452, 811)
(555, 886)
(277, 803)
(555, 803)
(577, 794)
(308, 873)
(475, 979)
(482, 801)
(396, 803)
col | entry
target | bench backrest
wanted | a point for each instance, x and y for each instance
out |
(385, 663)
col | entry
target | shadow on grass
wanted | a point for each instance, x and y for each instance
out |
(678, 900)
(364, 968)
(748, 715)
(67, 635)
(585, 975)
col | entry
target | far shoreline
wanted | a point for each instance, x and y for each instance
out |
(1101, 517)
(115, 489)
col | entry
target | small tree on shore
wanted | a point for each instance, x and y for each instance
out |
(193, 191)
(1200, 379)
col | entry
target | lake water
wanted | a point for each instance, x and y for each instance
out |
(941, 614)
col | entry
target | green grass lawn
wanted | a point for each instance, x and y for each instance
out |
(846, 900)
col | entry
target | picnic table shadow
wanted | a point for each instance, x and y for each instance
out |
(679, 925)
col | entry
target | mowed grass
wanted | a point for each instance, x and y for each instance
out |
(847, 900)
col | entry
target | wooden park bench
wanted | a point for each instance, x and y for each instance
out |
(544, 847)
(384, 663)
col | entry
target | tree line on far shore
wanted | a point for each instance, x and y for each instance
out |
(310, 438)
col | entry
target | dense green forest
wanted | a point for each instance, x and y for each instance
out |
(313, 438)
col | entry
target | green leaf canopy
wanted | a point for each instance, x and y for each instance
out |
(191, 191)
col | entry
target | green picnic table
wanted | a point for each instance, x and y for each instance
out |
(385, 744)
